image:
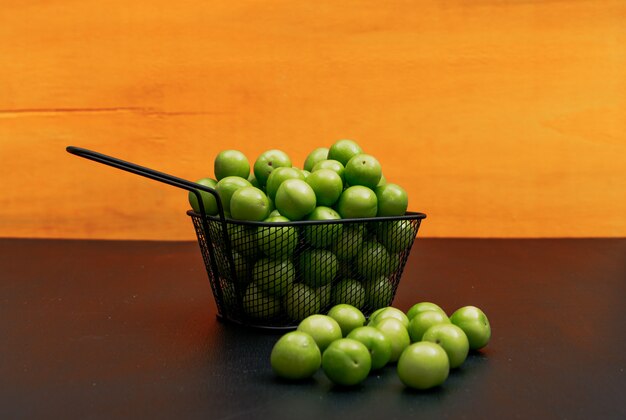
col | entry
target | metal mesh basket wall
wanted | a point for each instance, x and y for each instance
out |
(273, 275)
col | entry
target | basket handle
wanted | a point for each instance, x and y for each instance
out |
(166, 179)
(149, 173)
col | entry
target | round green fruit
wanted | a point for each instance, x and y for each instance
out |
(208, 199)
(452, 339)
(344, 150)
(322, 328)
(295, 199)
(317, 155)
(278, 176)
(347, 316)
(327, 185)
(267, 162)
(474, 324)
(423, 307)
(356, 202)
(295, 356)
(226, 187)
(363, 170)
(423, 321)
(397, 334)
(375, 314)
(423, 365)
(231, 163)
(249, 203)
(392, 200)
(376, 342)
(390, 312)
(346, 362)
(333, 165)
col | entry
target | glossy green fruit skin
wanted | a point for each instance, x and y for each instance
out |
(226, 187)
(357, 202)
(295, 356)
(346, 362)
(390, 312)
(295, 199)
(475, 324)
(249, 203)
(397, 334)
(423, 307)
(423, 365)
(317, 155)
(231, 163)
(208, 199)
(322, 328)
(452, 339)
(343, 150)
(347, 316)
(393, 200)
(278, 176)
(363, 169)
(423, 321)
(331, 164)
(267, 162)
(376, 342)
(327, 185)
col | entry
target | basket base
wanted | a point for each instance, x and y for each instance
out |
(265, 328)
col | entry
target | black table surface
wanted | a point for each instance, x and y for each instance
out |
(114, 329)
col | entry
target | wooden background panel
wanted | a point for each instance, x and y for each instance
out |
(502, 119)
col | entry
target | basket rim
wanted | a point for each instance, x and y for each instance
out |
(409, 215)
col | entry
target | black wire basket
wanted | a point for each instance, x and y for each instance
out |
(271, 275)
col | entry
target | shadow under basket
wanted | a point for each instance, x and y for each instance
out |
(272, 275)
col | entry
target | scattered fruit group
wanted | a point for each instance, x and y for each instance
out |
(349, 350)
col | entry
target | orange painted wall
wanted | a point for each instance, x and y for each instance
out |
(501, 119)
